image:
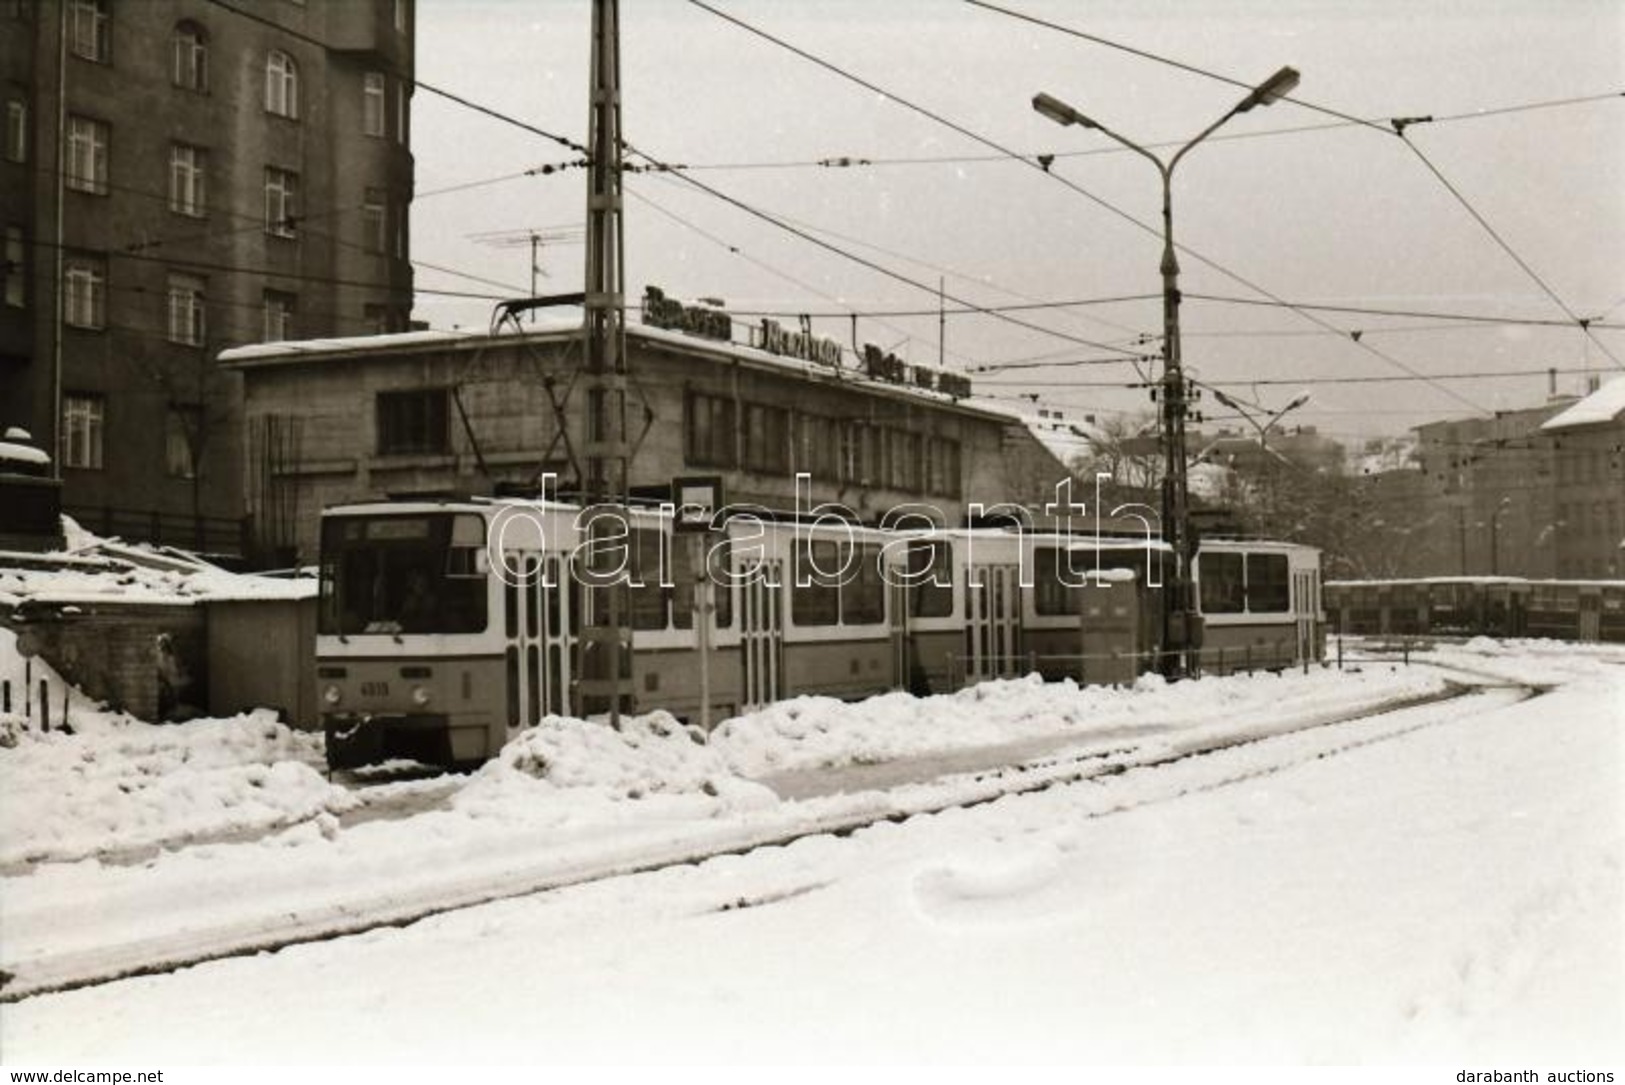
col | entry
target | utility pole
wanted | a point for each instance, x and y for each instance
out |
(606, 638)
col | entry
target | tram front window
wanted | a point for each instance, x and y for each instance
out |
(403, 574)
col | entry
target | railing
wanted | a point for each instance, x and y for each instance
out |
(42, 703)
(205, 534)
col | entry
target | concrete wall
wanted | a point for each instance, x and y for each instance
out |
(261, 654)
(147, 660)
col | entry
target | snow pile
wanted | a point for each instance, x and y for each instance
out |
(819, 732)
(651, 754)
(118, 783)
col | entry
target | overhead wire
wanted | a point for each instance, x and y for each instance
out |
(1033, 163)
(1396, 126)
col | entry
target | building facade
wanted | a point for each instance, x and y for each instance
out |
(454, 414)
(1537, 493)
(1586, 446)
(180, 177)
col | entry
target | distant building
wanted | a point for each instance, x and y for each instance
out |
(1586, 447)
(1489, 507)
(227, 177)
(1537, 492)
(452, 414)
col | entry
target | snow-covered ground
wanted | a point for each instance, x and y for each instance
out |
(1443, 882)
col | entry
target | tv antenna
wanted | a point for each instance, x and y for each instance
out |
(536, 238)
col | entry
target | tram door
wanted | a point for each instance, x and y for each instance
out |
(761, 634)
(898, 601)
(539, 622)
(992, 621)
(1306, 607)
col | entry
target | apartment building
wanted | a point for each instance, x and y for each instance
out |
(180, 177)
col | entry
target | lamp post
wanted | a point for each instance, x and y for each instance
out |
(1179, 636)
(1495, 531)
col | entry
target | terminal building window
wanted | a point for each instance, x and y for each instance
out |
(767, 438)
(416, 422)
(709, 435)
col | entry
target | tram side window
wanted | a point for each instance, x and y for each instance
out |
(1268, 584)
(647, 597)
(863, 596)
(930, 596)
(1223, 581)
(818, 567)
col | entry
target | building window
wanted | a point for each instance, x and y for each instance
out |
(372, 104)
(402, 221)
(400, 16)
(818, 447)
(181, 431)
(186, 325)
(84, 294)
(188, 190)
(87, 155)
(281, 202)
(767, 438)
(82, 423)
(708, 437)
(281, 85)
(190, 53)
(942, 466)
(401, 112)
(373, 220)
(415, 422)
(16, 130)
(279, 313)
(15, 271)
(89, 31)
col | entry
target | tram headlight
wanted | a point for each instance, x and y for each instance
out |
(420, 695)
(332, 695)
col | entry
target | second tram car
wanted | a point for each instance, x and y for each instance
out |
(1582, 610)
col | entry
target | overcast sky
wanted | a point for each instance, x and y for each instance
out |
(1340, 214)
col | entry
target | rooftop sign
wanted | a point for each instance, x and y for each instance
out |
(662, 312)
(773, 337)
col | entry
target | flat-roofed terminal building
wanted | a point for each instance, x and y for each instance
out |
(447, 413)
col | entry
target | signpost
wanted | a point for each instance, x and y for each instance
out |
(696, 500)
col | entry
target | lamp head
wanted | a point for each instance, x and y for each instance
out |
(1059, 112)
(1271, 90)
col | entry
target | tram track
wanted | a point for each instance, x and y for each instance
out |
(1322, 736)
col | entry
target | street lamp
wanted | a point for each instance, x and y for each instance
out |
(1263, 430)
(1495, 530)
(1179, 634)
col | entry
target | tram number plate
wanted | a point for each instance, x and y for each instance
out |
(375, 689)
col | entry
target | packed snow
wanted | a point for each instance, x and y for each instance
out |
(1440, 882)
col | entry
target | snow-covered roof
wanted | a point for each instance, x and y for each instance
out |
(1604, 405)
(110, 571)
(284, 348)
(1066, 440)
(553, 327)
